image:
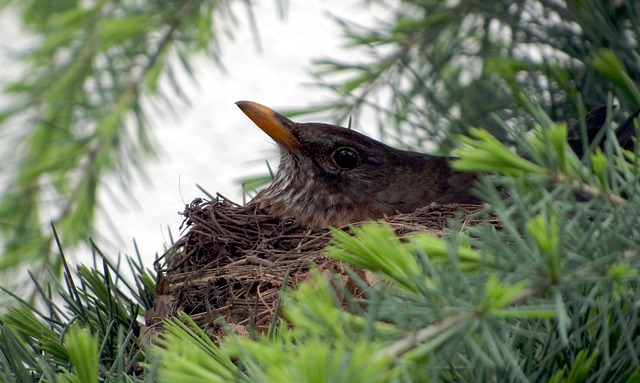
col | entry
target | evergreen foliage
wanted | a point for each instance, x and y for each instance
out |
(433, 68)
(550, 296)
(83, 328)
(82, 108)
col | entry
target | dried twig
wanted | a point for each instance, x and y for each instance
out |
(232, 260)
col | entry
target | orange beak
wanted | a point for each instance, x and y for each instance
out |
(274, 124)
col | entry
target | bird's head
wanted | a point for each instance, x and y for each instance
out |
(320, 149)
(330, 175)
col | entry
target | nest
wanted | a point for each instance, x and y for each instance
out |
(231, 263)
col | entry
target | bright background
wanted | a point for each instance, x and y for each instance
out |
(212, 143)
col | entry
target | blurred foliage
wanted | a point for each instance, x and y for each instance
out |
(83, 328)
(80, 111)
(433, 69)
(550, 296)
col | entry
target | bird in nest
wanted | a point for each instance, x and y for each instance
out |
(332, 176)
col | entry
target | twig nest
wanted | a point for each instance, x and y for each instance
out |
(229, 266)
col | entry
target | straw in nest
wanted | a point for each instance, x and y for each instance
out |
(232, 262)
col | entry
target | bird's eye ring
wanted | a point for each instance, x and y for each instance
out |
(345, 158)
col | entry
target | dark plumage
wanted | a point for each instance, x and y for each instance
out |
(330, 176)
(594, 120)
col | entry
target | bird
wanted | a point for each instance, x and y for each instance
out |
(594, 120)
(334, 176)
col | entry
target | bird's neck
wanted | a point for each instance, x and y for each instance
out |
(285, 192)
(295, 194)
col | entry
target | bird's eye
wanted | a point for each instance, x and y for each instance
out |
(346, 158)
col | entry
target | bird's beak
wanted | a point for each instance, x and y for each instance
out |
(274, 124)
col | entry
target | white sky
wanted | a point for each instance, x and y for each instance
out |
(213, 144)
